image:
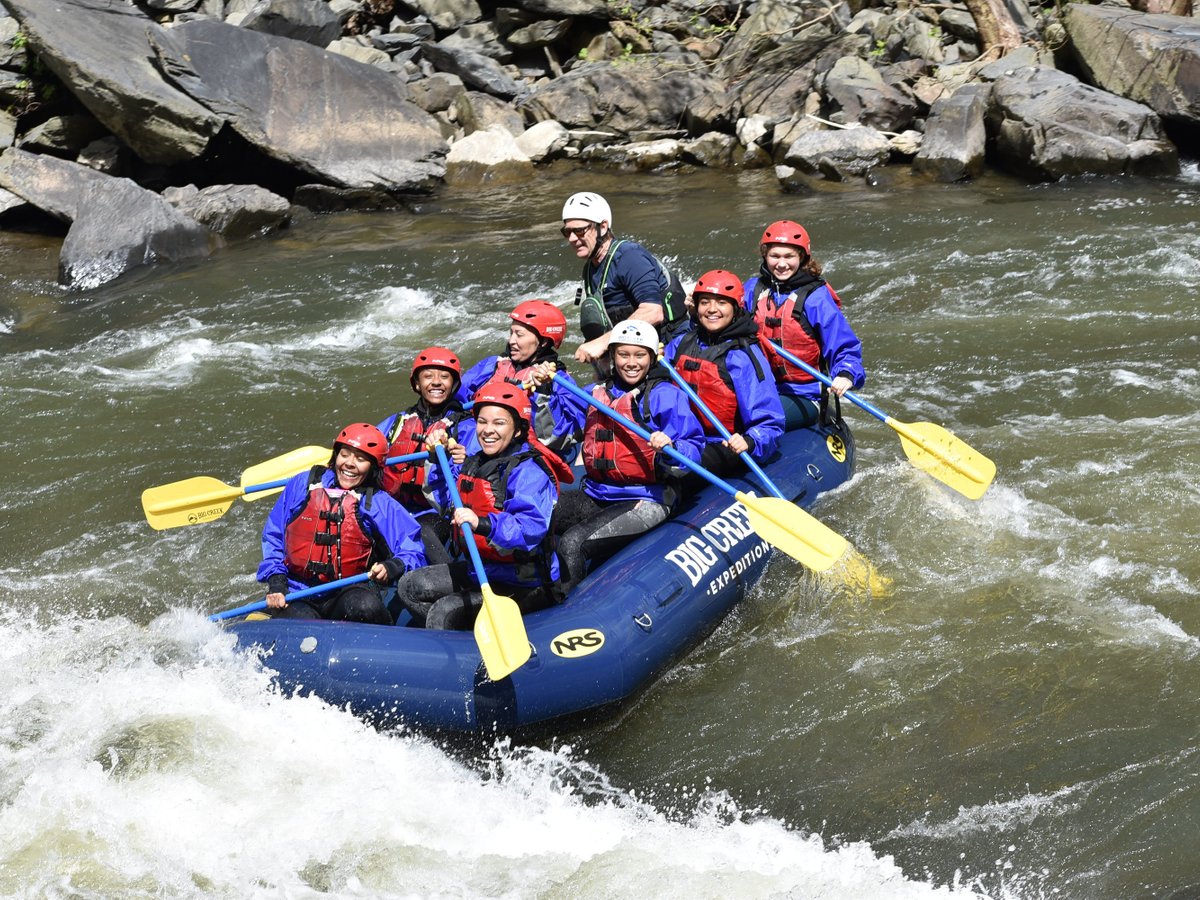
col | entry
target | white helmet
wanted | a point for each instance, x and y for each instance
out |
(588, 206)
(637, 333)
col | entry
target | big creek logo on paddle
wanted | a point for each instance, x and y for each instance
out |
(576, 643)
(837, 447)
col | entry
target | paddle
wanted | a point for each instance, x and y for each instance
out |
(295, 595)
(204, 499)
(763, 478)
(499, 628)
(778, 522)
(929, 447)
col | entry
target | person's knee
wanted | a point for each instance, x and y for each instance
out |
(365, 605)
(453, 612)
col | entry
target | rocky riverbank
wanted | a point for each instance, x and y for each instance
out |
(159, 130)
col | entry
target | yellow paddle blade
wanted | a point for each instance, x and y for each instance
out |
(291, 463)
(785, 525)
(500, 634)
(951, 461)
(187, 502)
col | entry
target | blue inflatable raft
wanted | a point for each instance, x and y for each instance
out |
(623, 626)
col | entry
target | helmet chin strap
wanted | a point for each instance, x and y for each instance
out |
(602, 240)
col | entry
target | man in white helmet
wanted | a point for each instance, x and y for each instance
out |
(621, 279)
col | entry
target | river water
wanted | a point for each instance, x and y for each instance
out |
(1017, 718)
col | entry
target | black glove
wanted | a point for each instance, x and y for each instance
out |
(277, 584)
(394, 569)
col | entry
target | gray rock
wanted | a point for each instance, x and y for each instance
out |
(310, 21)
(479, 112)
(596, 9)
(8, 129)
(631, 97)
(9, 202)
(476, 70)
(342, 121)
(858, 90)
(103, 155)
(100, 51)
(437, 92)
(955, 136)
(11, 56)
(172, 6)
(714, 150)
(543, 140)
(447, 15)
(960, 23)
(233, 211)
(116, 226)
(1152, 59)
(352, 49)
(488, 157)
(1048, 124)
(481, 37)
(841, 153)
(539, 34)
(62, 135)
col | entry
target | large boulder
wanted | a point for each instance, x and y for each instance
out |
(233, 211)
(334, 118)
(1153, 59)
(310, 21)
(115, 224)
(955, 140)
(1048, 124)
(857, 91)
(839, 154)
(626, 98)
(100, 51)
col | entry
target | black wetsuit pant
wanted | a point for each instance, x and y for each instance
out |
(446, 597)
(360, 602)
(592, 531)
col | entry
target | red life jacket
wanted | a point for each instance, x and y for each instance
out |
(612, 453)
(788, 326)
(326, 540)
(404, 481)
(506, 371)
(483, 487)
(704, 369)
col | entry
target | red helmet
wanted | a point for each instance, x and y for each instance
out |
(438, 357)
(785, 232)
(720, 283)
(366, 439)
(544, 318)
(510, 396)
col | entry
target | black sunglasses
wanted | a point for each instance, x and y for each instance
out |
(579, 231)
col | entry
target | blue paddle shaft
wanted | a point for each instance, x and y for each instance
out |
(749, 460)
(645, 435)
(828, 382)
(469, 537)
(295, 595)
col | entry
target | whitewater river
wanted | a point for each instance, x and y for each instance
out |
(1017, 718)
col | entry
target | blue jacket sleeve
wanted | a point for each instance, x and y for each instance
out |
(758, 401)
(294, 496)
(392, 523)
(387, 424)
(525, 519)
(671, 413)
(475, 377)
(840, 346)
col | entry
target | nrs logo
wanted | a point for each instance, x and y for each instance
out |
(577, 643)
(837, 447)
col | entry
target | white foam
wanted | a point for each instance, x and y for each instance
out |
(158, 760)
